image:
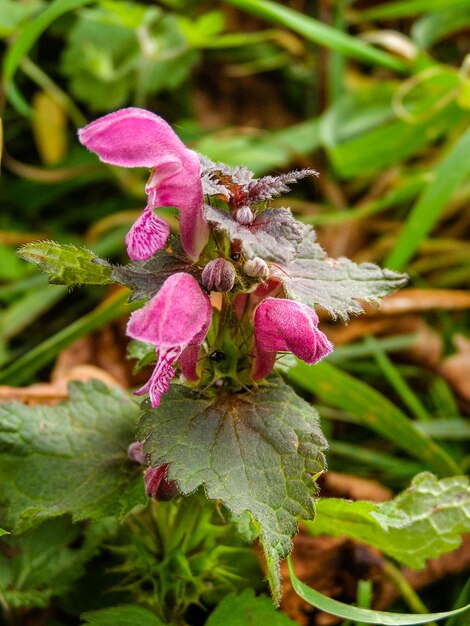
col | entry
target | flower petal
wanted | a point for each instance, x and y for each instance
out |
(147, 235)
(159, 381)
(181, 187)
(138, 138)
(132, 138)
(284, 325)
(178, 315)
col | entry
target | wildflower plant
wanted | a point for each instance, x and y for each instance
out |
(214, 306)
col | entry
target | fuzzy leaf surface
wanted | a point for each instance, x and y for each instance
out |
(268, 187)
(145, 278)
(274, 235)
(41, 564)
(122, 616)
(69, 458)
(335, 284)
(253, 451)
(66, 264)
(247, 610)
(421, 523)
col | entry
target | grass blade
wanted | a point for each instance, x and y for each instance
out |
(23, 368)
(408, 8)
(26, 40)
(320, 33)
(369, 616)
(374, 411)
(449, 175)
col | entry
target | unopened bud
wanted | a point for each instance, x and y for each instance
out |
(244, 215)
(135, 453)
(156, 484)
(218, 275)
(256, 268)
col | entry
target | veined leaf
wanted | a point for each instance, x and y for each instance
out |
(421, 523)
(274, 234)
(66, 264)
(373, 410)
(334, 284)
(253, 451)
(247, 610)
(122, 616)
(69, 458)
(347, 611)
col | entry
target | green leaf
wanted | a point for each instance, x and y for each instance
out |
(26, 40)
(247, 610)
(3, 532)
(45, 563)
(122, 616)
(14, 14)
(373, 410)
(334, 284)
(433, 27)
(69, 458)
(320, 33)
(369, 616)
(66, 264)
(421, 523)
(357, 127)
(254, 451)
(447, 178)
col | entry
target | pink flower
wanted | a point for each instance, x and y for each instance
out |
(138, 138)
(286, 326)
(176, 322)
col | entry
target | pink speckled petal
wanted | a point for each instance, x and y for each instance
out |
(138, 138)
(132, 138)
(178, 315)
(148, 234)
(287, 326)
(182, 188)
(159, 381)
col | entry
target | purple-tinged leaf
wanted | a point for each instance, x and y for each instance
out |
(145, 278)
(255, 452)
(268, 187)
(274, 235)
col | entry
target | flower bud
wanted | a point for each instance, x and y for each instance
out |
(256, 268)
(218, 275)
(156, 484)
(244, 215)
(135, 453)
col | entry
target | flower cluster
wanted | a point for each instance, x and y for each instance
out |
(232, 243)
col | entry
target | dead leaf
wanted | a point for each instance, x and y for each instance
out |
(417, 300)
(456, 368)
